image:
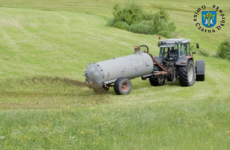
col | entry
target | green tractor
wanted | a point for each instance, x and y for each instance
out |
(176, 61)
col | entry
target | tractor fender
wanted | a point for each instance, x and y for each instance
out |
(182, 61)
(200, 67)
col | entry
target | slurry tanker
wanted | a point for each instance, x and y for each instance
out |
(175, 61)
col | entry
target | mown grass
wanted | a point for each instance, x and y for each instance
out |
(180, 125)
(44, 103)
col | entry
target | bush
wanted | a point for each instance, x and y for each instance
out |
(132, 17)
(130, 14)
(223, 50)
(140, 28)
(121, 25)
(161, 24)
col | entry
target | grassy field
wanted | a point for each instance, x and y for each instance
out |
(45, 47)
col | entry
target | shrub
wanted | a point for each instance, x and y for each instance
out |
(223, 50)
(161, 24)
(130, 14)
(121, 25)
(140, 28)
(132, 17)
(110, 22)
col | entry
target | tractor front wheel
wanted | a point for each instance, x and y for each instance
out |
(122, 86)
(157, 81)
(187, 74)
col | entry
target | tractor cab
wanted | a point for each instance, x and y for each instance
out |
(173, 49)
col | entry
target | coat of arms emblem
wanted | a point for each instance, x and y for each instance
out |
(208, 18)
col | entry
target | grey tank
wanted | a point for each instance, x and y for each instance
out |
(131, 66)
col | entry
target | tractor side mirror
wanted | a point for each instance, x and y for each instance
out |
(197, 45)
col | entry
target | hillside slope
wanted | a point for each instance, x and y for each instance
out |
(45, 48)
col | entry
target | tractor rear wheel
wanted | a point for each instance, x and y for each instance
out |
(200, 70)
(187, 74)
(122, 86)
(200, 77)
(157, 81)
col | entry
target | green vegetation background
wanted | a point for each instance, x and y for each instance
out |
(45, 47)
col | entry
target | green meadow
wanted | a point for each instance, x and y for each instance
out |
(45, 47)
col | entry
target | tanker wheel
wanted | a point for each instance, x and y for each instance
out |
(157, 81)
(122, 86)
(187, 74)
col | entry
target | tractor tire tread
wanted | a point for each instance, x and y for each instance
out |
(155, 82)
(183, 75)
(200, 77)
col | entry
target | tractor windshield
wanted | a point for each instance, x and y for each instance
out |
(172, 49)
(168, 50)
